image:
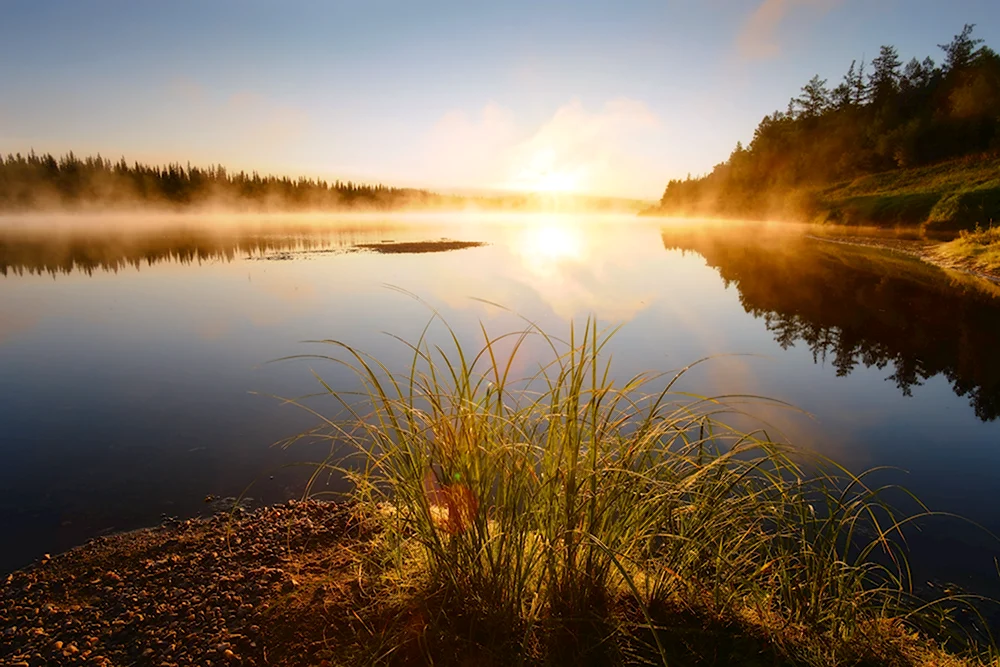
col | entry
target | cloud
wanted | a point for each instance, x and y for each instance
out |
(591, 150)
(589, 147)
(759, 37)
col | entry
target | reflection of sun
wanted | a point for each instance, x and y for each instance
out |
(545, 246)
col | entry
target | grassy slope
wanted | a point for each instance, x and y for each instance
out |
(951, 195)
(958, 195)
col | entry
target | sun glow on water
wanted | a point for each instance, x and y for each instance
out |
(547, 245)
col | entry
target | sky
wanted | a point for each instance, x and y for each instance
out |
(609, 98)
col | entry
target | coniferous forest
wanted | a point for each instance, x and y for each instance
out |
(34, 182)
(884, 117)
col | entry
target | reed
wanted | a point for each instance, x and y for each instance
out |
(561, 513)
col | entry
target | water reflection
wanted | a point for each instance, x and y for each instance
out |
(544, 248)
(576, 269)
(125, 396)
(858, 306)
(28, 252)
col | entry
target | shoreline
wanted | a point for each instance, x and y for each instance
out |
(281, 585)
(216, 590)
(921, 250)
(924, 249)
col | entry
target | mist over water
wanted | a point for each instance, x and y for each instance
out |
(134, 374)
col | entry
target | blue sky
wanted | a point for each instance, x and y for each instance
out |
(608, 97)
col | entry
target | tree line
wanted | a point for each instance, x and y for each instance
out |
(36, 182)
(883, 115)
(32, 182)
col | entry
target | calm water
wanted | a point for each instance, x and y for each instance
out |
(134, 374)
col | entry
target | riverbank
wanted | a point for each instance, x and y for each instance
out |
(975, 255)
(979, 249)
(953, 195)
(292, 585)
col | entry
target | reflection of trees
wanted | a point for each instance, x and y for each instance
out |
(854, 306)
(55, 253)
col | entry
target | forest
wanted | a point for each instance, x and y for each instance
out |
(883, 117)
(37, 182)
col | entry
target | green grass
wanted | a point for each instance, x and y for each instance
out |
(978, 249)
(886, 210)
(947, 196)
(560, 516)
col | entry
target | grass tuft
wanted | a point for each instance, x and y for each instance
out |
(978, 249)
(563, 515)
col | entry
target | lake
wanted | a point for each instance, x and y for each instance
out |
(138, 372)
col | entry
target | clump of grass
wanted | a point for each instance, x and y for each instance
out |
(563, 514)
(978, 249)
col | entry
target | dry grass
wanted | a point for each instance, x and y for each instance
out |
(978, 250)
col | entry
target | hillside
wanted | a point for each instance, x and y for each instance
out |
(913, 144)
(953, 195)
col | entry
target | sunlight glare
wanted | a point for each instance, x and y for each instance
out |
(545, 246)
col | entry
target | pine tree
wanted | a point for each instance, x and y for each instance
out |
(815, 98)
(856, 81)
(959, 53)
(884, 80)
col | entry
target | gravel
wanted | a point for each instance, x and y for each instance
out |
(195, 592)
